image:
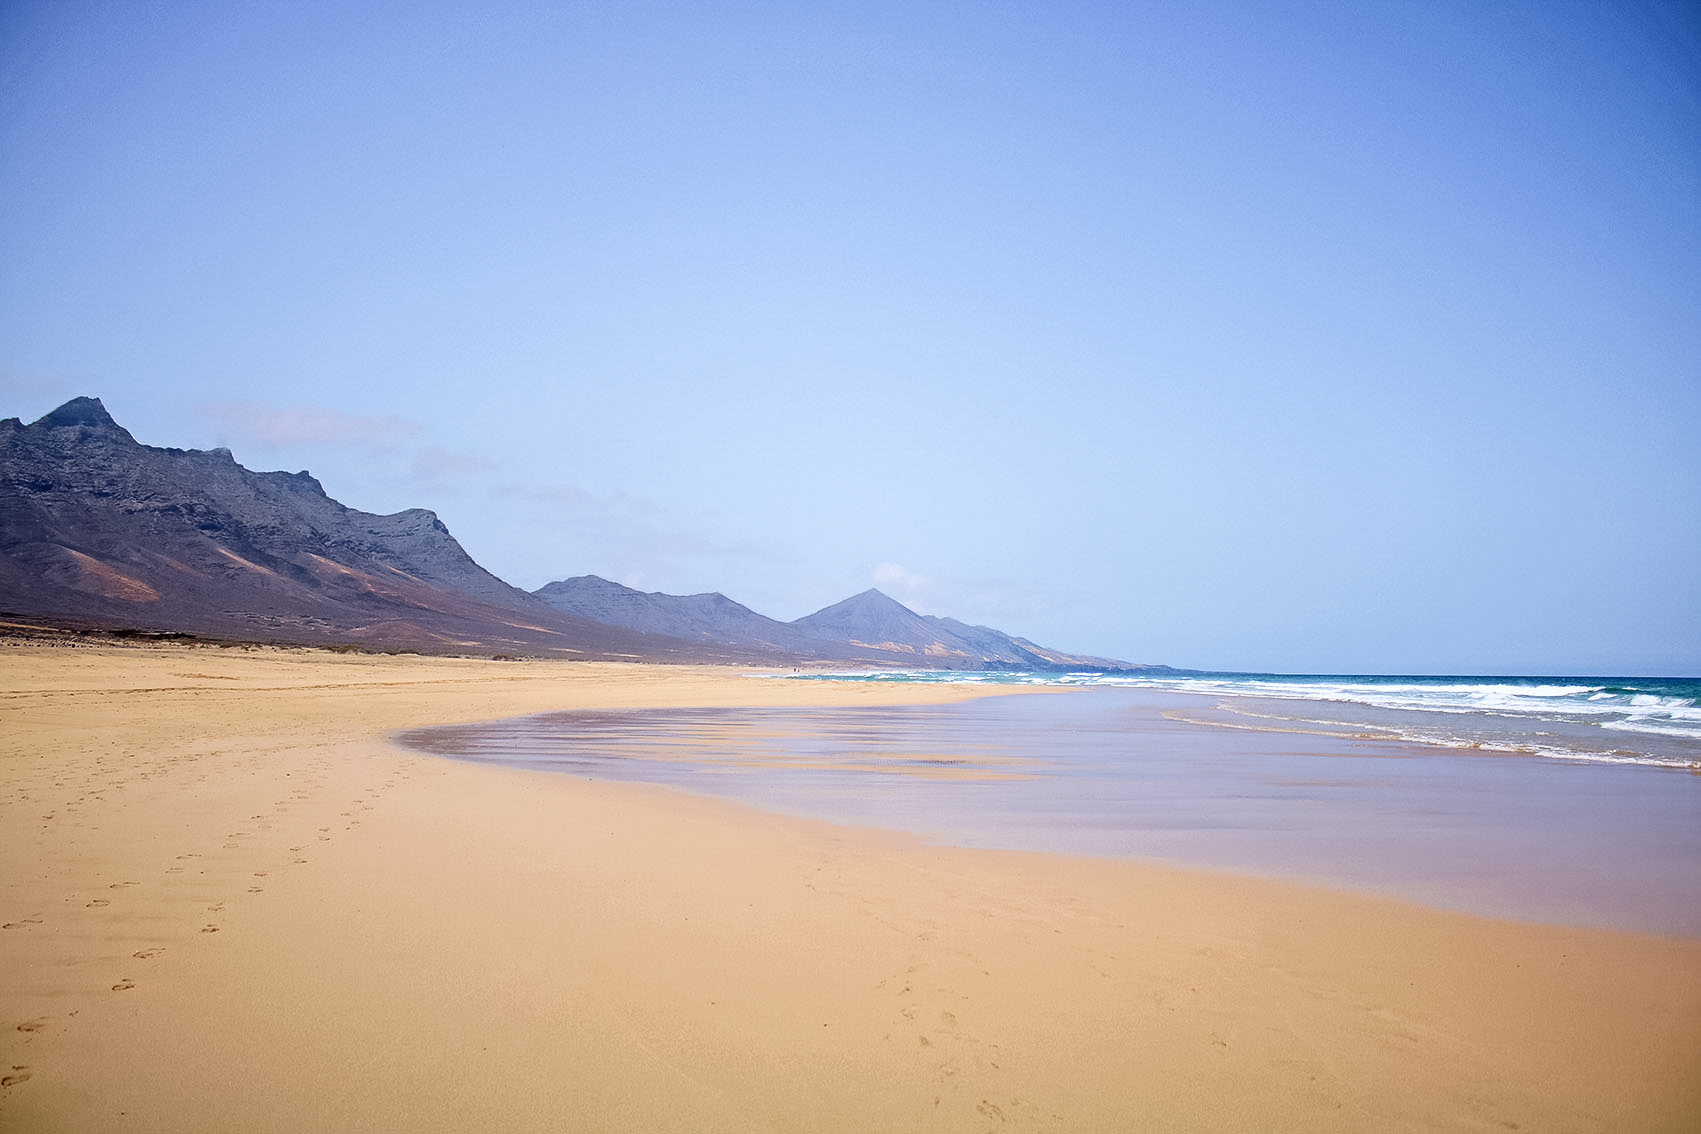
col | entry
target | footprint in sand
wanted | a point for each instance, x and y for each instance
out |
(259, 874)
(124, 986)
(34, 1025)
(256, 889)
(121, 885)
(14, 1079)
(21, 924)
(148, 954)
(98, 902)
(215, 908)
(209, 929)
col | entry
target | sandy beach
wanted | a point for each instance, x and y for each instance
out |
(231, 903)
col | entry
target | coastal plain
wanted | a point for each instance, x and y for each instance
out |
(229, 901)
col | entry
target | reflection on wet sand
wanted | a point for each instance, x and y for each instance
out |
(1131, 773)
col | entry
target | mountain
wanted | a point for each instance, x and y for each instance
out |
(871, 628)
(874, 621)
(712, 617)
(708, 618)
(98, 530)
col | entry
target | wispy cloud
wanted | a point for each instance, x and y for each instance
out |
(635, 527)
(633, 540)
(971, 600)
(900, 581)
(271, 426)
(433, 465)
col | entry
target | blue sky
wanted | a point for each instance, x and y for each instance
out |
(1306, 337)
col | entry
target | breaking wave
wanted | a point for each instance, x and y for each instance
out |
(1653, 721)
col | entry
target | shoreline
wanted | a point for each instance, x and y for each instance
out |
(237, 905)
(1148, 776)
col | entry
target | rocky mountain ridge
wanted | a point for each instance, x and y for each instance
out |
(99, 531)
(870, 627)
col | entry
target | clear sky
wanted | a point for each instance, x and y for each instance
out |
(1307, 337)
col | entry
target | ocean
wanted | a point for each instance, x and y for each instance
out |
(1569, 800)
(1628, 720)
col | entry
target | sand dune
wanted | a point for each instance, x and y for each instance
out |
(230, 904)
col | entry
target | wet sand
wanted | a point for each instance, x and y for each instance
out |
(1152, 775)
(231, 903)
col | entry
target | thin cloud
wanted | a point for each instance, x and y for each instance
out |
(435, 466)
(273, 426)
(901, 581)
(635, 531)
(988, 601)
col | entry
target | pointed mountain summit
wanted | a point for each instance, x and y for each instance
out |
(870, 628)
(873, 619)
(84, 413)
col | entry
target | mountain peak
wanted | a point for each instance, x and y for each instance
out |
(871, 599)
(871, 616)
(88, 417)
(80, 411)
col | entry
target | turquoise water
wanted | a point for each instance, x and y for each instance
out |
(1605, 719)
(1116, 770)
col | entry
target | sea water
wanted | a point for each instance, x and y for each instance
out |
(1628, 720)
(1569, 800)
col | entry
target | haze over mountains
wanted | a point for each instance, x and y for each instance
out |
(868, 627)
(98, 531)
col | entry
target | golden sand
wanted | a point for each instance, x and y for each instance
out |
(231, 904)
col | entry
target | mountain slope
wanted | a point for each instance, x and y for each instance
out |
(98, 529)
(873, 620)
(710, 616)
(869, 628)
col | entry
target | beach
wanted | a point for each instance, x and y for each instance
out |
(230, 901)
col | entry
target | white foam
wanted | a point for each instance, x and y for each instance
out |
(1508, 716)
(1655, 728)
